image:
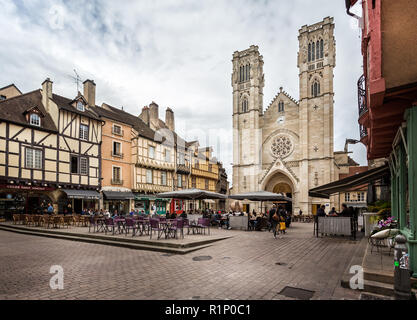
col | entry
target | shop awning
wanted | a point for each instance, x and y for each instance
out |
(147, 197)
(345, 184)
(209, 201)
(81, 194)
(118, 195)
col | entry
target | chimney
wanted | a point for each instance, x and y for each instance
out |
(153, 113)
(90, 92)
(169, 119)
(145, 115)
(46, 93)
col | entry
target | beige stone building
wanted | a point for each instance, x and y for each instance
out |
(288, 147)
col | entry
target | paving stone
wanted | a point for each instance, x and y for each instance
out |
(93, 271)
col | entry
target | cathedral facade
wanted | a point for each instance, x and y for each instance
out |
(288, 147)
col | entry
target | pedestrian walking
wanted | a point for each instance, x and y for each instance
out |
(274, 215)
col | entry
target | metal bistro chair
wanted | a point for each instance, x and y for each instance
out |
(16, 218)
(203, 224)
(176, 225)
(155, 226)
(130, 225)
(109, 225)
(187, 225)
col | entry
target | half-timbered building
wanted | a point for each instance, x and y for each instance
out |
(50, 149)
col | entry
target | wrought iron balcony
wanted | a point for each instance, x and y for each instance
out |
(116, 181)
(362, 104)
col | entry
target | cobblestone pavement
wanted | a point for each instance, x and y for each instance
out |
(242, 267)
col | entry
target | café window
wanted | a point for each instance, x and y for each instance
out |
(117, 129)
(151, 152)
(33, 158)
(83, 132)
(79, 165)
(83, 165)
(117, 174)
(148, 176)
(347, 196)
(163, 178)
(35, 120)
(117, 148)
(80, 106)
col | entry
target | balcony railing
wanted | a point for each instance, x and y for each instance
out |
(363, 107)
(363, 132)
(116, 181)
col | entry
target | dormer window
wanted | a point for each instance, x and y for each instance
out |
(80, 106)
(35, 119)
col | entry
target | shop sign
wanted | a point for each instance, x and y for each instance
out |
(24, 187)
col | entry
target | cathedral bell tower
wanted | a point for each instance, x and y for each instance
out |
(247, 83)
(316, 61)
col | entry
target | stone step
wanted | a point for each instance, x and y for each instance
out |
(373, 296)
(123, 244)
(127, 239)
(382, 276)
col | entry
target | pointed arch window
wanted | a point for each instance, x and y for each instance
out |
(315, 88)
(321, 48)
(313, 51)
(309, 52)
(245, 105)
(318, 49)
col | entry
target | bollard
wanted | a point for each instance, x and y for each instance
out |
(402, 283)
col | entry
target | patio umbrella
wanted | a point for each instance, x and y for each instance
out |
(192, 194)
(260, 196)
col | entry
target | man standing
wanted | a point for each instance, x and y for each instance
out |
(50, 209)
(274, 219)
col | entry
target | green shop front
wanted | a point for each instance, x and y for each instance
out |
(147, 202)
(403, 166)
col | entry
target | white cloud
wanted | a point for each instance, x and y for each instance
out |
(176, 53)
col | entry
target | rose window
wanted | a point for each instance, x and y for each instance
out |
(281, 147)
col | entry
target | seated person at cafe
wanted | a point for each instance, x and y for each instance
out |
(345, 211)
(217, 219)
(132, 212)
(321, 212)
(333, 212)
(183, 215)
(115, 214)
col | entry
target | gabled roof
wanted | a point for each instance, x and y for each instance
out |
(11, 85)
(14, 109)
(281, 91)
(66, 104)
(110, 112)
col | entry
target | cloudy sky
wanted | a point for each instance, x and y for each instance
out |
(176, 53)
